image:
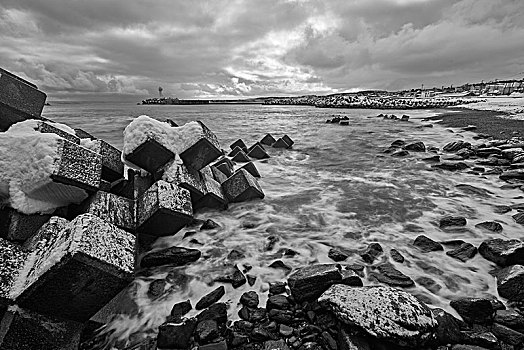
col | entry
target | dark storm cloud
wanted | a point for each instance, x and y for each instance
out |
(246, 48)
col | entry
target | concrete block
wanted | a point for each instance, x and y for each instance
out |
(280, 143)
(258, 152)
(251, 168)
(18, 227)
(203, 152)
(84, 134)
(239, 143)
(184, 177)
(225, 165)
(235, 151)
(19, 100)
(141, 183)
(125, 187)
(150, 155)
(242, 186)
(268, 140)
(241, 157)
(112, 166)
(47, 128)
(26, 330)
(163, 209)
(288, 140)
(12, 259)
(116, 210)
(214, 196)
(75, 268)
(105, 186)
(218, 174)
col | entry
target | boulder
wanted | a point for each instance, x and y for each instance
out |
(455, 146)
(233, 275)
(450, 221)
(383, 312)
(510, 318)
(448, 329)
(474, 310)
(400, 153)
(388, 274)
(510, 282)
(464, 252)
(426, 244)
(507, 335)
(309, 282)
(519, 218)
(451, 166)
(210, 298)
(418, 146)
(180, 309)
(396, 256)
(337, 255)
(176, 335)
(490, 226)
(249, 299)
(503, 252)
(517, 174)
(173, 256)
(372, 252)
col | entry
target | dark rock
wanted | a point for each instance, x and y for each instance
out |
(244, 314)
(309, 282)
(452, 221)
(426, 244)
(477, 191)
(448, 329)
(372, 252)
(238, 339)
(350, 278)
(464, 252)
(501, 209)
(210, 298)
(177, 256)
(337, 255)
(249, 299)
(216, 312)
(519, 218)
(282, 316)
(507, 335)
(259, 333)
(175, 336)
(487, 151)
(418, 146)
(221, 345)
(511, 319)
(279, 301)
(232, 275)
(258, 314)
(455, 146)
(180, 309)
(497, 304)
(209, 225)
(156, 288)
(251, 279)
(388, 274)
(429, 283)
(474, 310)
(451, 166)
(387, 313)
(271, 241)
(279, 264)
(348, 341)
(432, 159)
(398, 143)
(517, 174)
(275, 345)
(235, 255)
(482, 338)
(510, 282)
(277, 287)
(206, 331)
(396, 256)
(285, 330)
(503, 252)
(400, 153)
(490, 226)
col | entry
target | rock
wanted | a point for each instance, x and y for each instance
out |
(449, 221)
(477, 191)
(372, 252)
(400, 153)
(277, 287)
(474, 310)
(502, 209)
(510, 282)
(221, 345)
(209, 225)
(448, 329)
(398, 143)
(490, 226)
(519, 218)
(511, 319)
(309, 282)
(507, 335)
(455, 146)
(464, 252)
(451, 166)
(285, 330)
(429, 284)
(242, 186)
(235, 255)
(176, 336)
(251, 279)
(282, 316)
(387, 313)
(432, 159)
(156, 288)
(481, 337)
(174, 256)
(350, 278)
(278, 301)
(279, 264)
(206, 331)
(275, 345)
(259, 333)
(426, 244)
(517, 174)
(232, 275)
(503, 252)
(388, 274)
(210, 298)
(337, 255)
(418, 146)
(216, 312)
(396, 256)
(249, 299)
(180, 309)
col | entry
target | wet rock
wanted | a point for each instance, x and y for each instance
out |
(277, 288)
(429, 284)
(432, 159)
(510, 318)
(210, 298)
(372, 252)
(487, 151)
(497, 304)
(388, 274)
(451, 166)
(175, 336)
(249, 299)
(387, 313)
(517, 174)
(348, 341)
(426, 244)
(309, 282)
(477, 191)
(260, 333)
(396, 256)
(464, 252)
(519, 218)
(448, 329)
(156, 288)
(279, 264)
(337, 255)
(235, 255)
(221, 345)
(455, 146)
(510, 282)
(507, 335)
(474, 310)
(482, 338)
(400, 153)
(398, 143)
(251, 279)
(282, 316)
(285, 330)
(490, 226)
(271, 241)
(418, 146)
(232, 275)
(350, 278)
(206, 331)
(276, 345)
(278, 301)
(503, 252)
(467, 347)
(450, 221)
(209, 225)
(216, 312)
(180, 309)
(175, 256)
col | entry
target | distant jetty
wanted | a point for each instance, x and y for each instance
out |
(176, 101)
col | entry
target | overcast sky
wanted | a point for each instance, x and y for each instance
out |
(260, 47)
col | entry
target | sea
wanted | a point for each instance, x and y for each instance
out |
(335, 188)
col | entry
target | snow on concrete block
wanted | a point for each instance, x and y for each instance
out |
(280, 143)
(241, 157)
(163, 209)
(214, 197)
(203, 151)
(19, 100)
(288, 140)
(252, 169)
(111, 208)
(18, 227)
(242, 186)
(268, 140)
(258, 152)
(112, 166)
(61, 130)
(13, 259)
(75, 268)
(239, 143)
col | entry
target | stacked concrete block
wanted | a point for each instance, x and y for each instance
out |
(13, 259)
(45, 127)
(150, 155)
(218, 174)
(288, 140)
(18, 227)
(242, 186)
(281, 143)
(112, 166)
(163, 209)
(225, 165)
(240, 157)
(268, 140)
(236, 150)
(240, 144)
(184, 177)
(251, 168)
(214, 196)
(114, 209)
(203, 152)
(19, 100)
(257, 151)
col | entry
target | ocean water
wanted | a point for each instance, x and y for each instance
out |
(335, 188)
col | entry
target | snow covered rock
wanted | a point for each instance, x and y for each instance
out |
(242, 186)
(382, 312)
